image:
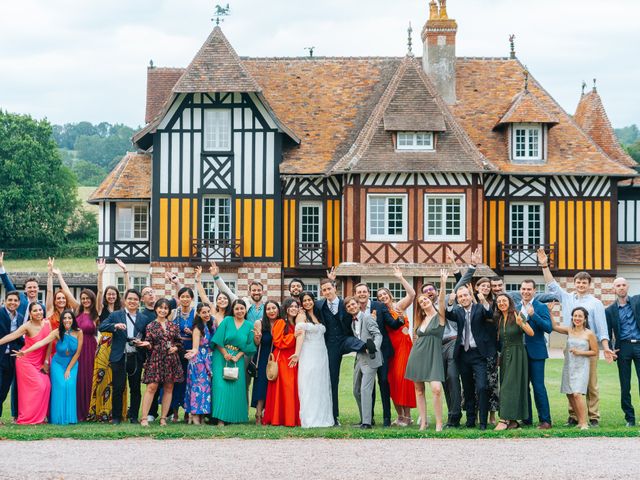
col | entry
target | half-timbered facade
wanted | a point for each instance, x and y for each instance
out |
(284, 167)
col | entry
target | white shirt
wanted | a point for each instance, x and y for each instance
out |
(333, 305)
(131, 324)
(14, 324)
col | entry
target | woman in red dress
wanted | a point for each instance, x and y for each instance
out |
(282, 406)
(403, 392)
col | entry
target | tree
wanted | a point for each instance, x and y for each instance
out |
(628, 135)
(634, 151)
(37, 193)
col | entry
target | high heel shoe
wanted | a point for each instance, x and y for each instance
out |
(258, 419)
(163, 421)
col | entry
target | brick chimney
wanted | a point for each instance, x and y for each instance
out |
(439, 55)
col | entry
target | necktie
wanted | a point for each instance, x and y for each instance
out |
(333, 307)
(467, 330)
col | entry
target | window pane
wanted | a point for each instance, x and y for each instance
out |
(217, 129)
(520, 142)
(124, 223)
(434, 216)
(453, 217)
(395, 215)
(216, 221)
(533, 143)
(376, 216)
(310, 223)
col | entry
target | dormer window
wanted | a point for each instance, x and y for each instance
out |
(527, 142)
(415, 141)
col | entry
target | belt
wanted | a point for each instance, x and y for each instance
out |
(233, 348)
(447, 340)
(630, 340)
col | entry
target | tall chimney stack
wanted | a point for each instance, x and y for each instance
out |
(439, 54)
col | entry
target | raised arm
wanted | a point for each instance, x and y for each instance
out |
(202, 294)
(6, 281)
(76, 355)
(71, 301)
(102, 264)
(442, 307)
(215, 271)
(407, 300)
(543, 260)
(49, 298)
(125, 272)
(560, 328)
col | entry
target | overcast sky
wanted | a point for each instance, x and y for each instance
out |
(72, 60)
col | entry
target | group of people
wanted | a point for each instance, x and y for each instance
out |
(480, 347)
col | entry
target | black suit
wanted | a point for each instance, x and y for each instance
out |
(7, 362)
(384, 318)
(629, 351)
(472, 363)
(339, 340)
(125, 366)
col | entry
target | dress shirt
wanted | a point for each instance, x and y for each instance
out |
(628, 324)
(467, 318)
(14, 324)
(569, 301)
(357, 325)
(131, 324)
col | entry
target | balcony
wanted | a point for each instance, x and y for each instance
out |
(220, 250)
(312, 254)
(131, 251)
(523, 257)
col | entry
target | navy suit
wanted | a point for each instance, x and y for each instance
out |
(629, 351)
(125, 366)
(7, 362)
(472, 364)
(339, 339)
(24, 301)
(537, 354)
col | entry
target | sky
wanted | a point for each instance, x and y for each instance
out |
(73, 60)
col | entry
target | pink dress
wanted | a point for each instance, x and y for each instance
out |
(85, 365)
(34, 387)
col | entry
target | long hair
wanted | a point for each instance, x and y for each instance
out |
(198, 322)
(285, 316)
(315, 310)
(227, 311)
(498, 317)
(586, 316)
(239, 301)
(385, 289)
(74, 323)
(420, 315)
(117, 305)
(488, 296)
(93, 308)
(266, 323)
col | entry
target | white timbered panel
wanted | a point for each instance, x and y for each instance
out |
(271, 168)
(175, 163)
(177, 101)
(248, 165)
(237, 97)
(237, 162)
(622, 215)
(107, 227)
(259, 156)
(186, 163)
(197, 139)
(197, 118)
(237, 118)
(186, 118)
(263, 111)
(248, 119)
(164, 163)
(630, 219)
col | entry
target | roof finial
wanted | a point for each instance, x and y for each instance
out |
(433, 10)
(584, 85)
(526, 79)
(512, 44)
(311, 49)
(409, 32)
(219, 13)
(151, 65)
(595, 90)
(443, 10)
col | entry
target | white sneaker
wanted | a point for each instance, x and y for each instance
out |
(150, 418)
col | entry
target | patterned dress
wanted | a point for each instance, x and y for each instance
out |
(162, 366)
(197, 396)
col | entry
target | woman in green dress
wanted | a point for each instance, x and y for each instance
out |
(232, 341)
(514, 373)
(425, 360)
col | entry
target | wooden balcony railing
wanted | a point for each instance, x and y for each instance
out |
(221, 250)
(312, 254)
(518, 256)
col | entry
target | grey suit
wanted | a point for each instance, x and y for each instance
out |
(364, 375)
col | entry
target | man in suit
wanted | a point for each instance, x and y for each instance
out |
(384, 319)
(623, 324)
(537, 314)
(338, 336)
(10, 321)
(474, 345)
(368, 362)
(127, 327)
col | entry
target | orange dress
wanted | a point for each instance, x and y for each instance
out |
(403, 391)
(282, 406)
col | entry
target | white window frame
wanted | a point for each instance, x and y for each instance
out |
(530, 257)
(461, 237)
(402, 237)
(209, 285)
(216, 135)
(204, 199)
(385, 282)
(138, 281)
(320, 219)
(528, 128)
(413, 140)
(132, 230)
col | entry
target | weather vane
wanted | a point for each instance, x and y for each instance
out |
(310, 49)
(526, 78)
(512, 44)
(584, 85)
(219, 13)
(594, 85)
(409, 32)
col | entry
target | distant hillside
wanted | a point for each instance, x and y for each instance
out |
(629, 137)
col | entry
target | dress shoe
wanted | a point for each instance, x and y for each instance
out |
(544, 426)
(133, 420)
(482, 426)
(630, 424)
(526, 423)
(452, 425)
(571, 422)
(470, 424)
(115, 422)
(594, 423)
(386, 422)
(373, 422)
(336, 423)
(365, 426)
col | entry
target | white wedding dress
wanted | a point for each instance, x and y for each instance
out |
(314, 384)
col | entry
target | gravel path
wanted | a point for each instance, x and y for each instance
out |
(556, 459)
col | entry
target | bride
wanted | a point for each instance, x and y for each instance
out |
(314, 384)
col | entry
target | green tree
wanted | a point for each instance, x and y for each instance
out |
(634, 151)
(628, 135)
(37, 193)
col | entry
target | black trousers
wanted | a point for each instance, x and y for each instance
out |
(128, 368)
(7, 376)
(335, 349)
(452, 389)
(473, 372)
(385, 393)
(629, 352)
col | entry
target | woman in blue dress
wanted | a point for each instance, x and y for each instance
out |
(64, 368)
(197, 397)
(263, 339)
(232, 342)
(184, 319)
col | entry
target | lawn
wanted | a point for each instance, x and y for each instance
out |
(66, 265)
(612, 423)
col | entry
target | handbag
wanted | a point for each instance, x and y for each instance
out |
(230, 373)
(272, 366)
(252, 368)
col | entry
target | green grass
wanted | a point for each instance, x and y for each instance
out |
(612, 422)
(66, 265)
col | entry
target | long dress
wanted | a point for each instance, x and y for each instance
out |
(34, 387)
(575, 371)
(182, 321)
(425, 361)
(230, 396)
(197, 396)
(314, 383)
(161, 366)
(514, 374)
(403, 392)
(85, 364)
(63, 390)
(282, 406)
(261, 358)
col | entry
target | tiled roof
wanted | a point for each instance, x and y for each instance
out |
(628, 254)
(374, 149)
(592, 118)
(216, 68)
(485, 89)
(130, 179)
(527, 108)
(160, 82)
